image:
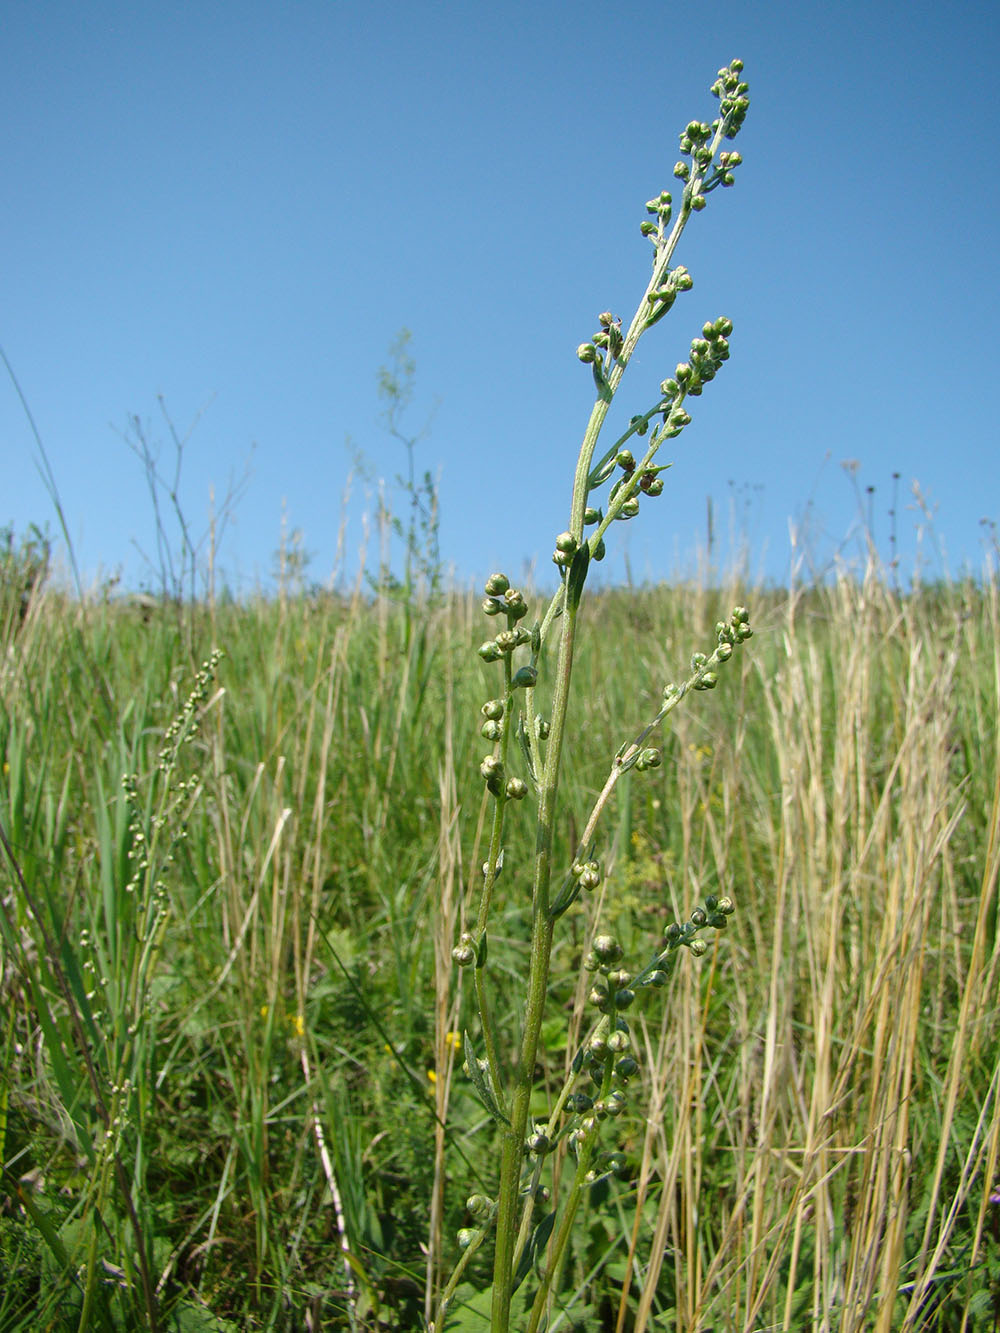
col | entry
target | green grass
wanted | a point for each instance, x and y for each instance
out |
(262, 1028)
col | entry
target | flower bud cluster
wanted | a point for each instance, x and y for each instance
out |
(715, 913)
(566, 548)
(610, 338)
(587, 874)
(696, 140)
(661, 298)
(729, 635)
(734, 103)
(607, 1053)
(502, 599)
(707, 355)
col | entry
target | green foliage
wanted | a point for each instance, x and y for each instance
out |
(24, 567)
(236, 1204)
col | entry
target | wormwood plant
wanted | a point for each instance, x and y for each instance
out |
(531, 1230)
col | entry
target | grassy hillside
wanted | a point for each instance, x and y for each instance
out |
(232, 1091)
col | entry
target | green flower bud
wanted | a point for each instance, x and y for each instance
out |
(647, 228)
(615, 1103)
(682, 280)
(605, 319)
(683, 373)
(515, 603)
(591, 516)
(682, 170)
(489, 651)
(741, 616)
(648, 759)
(698, 917)
(619, 977)
(480, 1207)
(539, 1143)
(491, 731)
(590, 878)
(670, 388)
(566, 543)
(707, 682)
(607, 949)
(466, 1235)
(506, 641)
(598, 1046)
(497, 585)
(640, 424)
(698, 948)
(516, 789)
(524, 678)
(726, 906)
(491, 607)
(624, 997)
(493, 709)
(630, 508)
(673, 933)
(464, 952)
(599, 551)
(718, 921)
(627, 1067)
(744, 632)
(491, 769)
(698, 660)
(541, 729)
(599, 996)
(724, 652)
(587, 353)
(619, 1041)
(655, 487)
(625, 460)
(578, 1102)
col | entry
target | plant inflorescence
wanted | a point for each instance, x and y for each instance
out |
(525, 760)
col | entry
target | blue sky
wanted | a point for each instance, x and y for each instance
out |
(236, 207)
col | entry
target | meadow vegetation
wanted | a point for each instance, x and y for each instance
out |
(315, 1017)
(274, 1041)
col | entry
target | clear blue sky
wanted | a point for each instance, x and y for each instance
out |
(238, 206)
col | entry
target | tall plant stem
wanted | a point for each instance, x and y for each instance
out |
(542, 924)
